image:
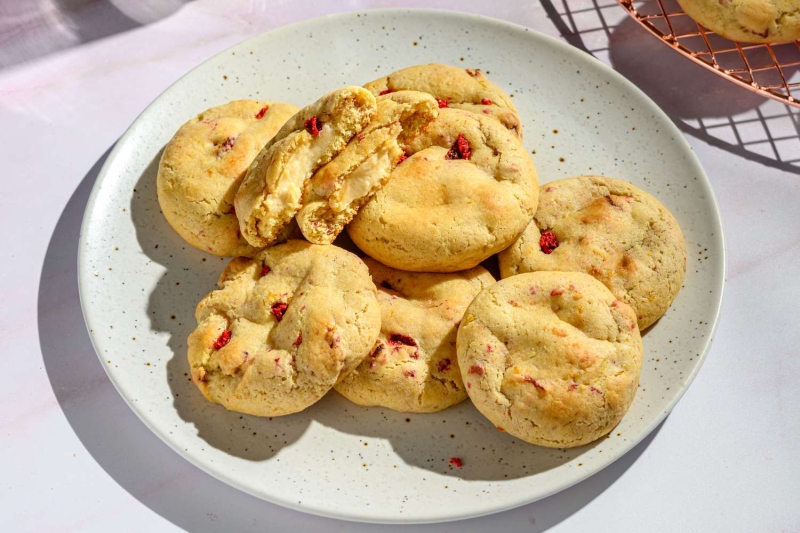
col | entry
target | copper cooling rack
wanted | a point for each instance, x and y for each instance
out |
(763, 68)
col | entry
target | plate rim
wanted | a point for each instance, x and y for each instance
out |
(562, 47)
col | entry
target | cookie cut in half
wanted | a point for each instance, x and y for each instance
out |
(467, 190)
(414, 366)
(204, 164)
(552, 358)
(272, 191)
(611, 230)
(460, 88)
(283, 328)
(338, 190)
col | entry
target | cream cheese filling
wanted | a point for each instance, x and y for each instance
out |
(367, 176)
(300, 166)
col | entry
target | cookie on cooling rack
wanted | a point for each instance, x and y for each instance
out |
(337, 190)
(552, 358)
(749, 21)
(467, 190)
(413, 367)
(461, 88)
(272, 191)
(203, 165)
(283, 328)
(610, 229)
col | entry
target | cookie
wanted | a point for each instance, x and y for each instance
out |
(552, 358)
(203, 165)
(460, 88)
(414, 367)
(749, 21)
(271, 193)
(610, 229)
(283, 328)
(340, 188)
(467, 190)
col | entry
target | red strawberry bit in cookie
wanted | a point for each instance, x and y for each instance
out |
(536, 384)
(596, 390)
(476, 369)
(313, 125)
(402, 158)
(265, 270)
(374, 354)
(443, 365)
(460, 149)
(277, 361)
(456, 461)
(549, 189)
(409, 373)
(278, 309)
(489, 348)
(486, 101)
(442, 103)
(385, 91)
(501, 430)
(261, 113)
(222, 340)
(548, 242)
(225, 146)
(415, 355)
(398, 339)
(298, 341)
(572, 387)
(534, 290)
(557, 292)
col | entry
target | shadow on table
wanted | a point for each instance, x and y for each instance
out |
(134, 457)
(701, 103)
(188, 275)
(31, 29)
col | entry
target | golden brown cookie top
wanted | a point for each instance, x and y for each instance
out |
(455, 87)
(611, 230)
(413, 367)
(467, 190)
(283, 328)
(750, 21)
(550, 357)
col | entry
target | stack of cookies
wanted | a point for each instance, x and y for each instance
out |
(426, 171)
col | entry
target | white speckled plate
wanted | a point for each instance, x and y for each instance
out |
(140, 283)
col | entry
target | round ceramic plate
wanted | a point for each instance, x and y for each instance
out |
(140, 282)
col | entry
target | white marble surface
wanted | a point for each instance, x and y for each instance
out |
(75, 74)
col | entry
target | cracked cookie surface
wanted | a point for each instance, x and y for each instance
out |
(413, 367)
(552, 358)
(283, 328)
(467, 190)
(460, 88)
(610, 229)
(338, 190)
(750, 21)
(204, 164)
(272, 191)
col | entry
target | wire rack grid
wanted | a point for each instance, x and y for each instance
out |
(768, 69)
